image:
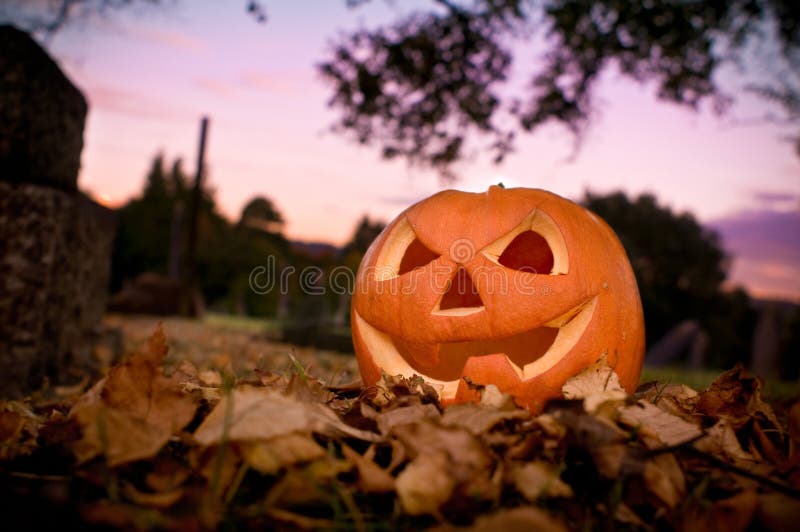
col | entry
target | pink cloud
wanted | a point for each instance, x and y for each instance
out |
(217, 87)
(283, 83)
(131, 102)
(765, 246)
(172, 38)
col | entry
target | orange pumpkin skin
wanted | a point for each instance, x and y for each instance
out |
(527, 331)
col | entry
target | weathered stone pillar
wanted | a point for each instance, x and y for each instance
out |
(55, 243)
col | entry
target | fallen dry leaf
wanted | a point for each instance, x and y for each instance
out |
(677, 399)
(268, 457)
(283, 451)
(735, 396)
(19, 428)
(479, 419)
(720, 440)
(371, 478)
(163, 499)
(131, 413)
(395, 417)
(259, 414)
(609, 459)
(595, 385)
(733, 514)
(523, 518)
(664, 479)
(777, 511)
(210, 377)
(492, 397)
(652, 421)
(540, 479)
(624, 514)
(462, 447)
(425, 484)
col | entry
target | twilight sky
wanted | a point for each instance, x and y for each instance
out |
(150, 73)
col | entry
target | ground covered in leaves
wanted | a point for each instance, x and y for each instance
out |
(190, 449)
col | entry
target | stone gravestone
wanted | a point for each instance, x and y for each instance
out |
(55, 243)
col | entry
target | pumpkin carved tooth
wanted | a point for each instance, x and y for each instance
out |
(519, 288)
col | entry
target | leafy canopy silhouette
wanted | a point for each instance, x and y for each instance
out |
(420, 87)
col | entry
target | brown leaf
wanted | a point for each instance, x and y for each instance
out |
(164, 499)
(300, 522)
(426, 437)
(794, 423)
(218, 466)
(492, 397)
(479, 419)
(523, 518)
(664, 478)
(371, 478)
(270, 456)
(653, 421)
(735, 396)
(390, 388)
(425, 484)
(132, 412)
(731, 515)
(122, 516)
(116, 434)
(19, 428)
(550, 426)
(777, 512)
(721, 441)
(469, 464)
(596, 384)
(307, 486)
(210, 377)
(167, 475)
(540, 479)
(625, 514)
(609, 459)
(308, 389)
(677, 399)
(387, 420)
(208, 393)
(260, 414)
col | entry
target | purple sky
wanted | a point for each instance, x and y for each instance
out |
(149, 75)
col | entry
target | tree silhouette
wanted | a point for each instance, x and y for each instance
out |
(261, 214)
(366, 231)
(46, 17)
(422, 86)
(680, 268)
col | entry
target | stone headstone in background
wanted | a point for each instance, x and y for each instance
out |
(55, 243)
(42, 115)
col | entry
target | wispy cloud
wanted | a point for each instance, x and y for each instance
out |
(124, 101)
(219, 88)
(782, 200)
(765, 246)
(171, 38)
(281, 82)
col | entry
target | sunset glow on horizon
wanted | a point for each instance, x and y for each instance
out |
(150, 75)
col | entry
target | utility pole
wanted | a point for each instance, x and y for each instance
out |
(191, 304)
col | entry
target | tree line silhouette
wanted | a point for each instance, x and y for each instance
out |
(680, 265)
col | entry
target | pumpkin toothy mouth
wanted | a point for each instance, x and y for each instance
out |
(529, 353)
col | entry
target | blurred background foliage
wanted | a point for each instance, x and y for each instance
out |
(693, 318)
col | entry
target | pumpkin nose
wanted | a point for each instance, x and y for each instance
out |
(461, 293)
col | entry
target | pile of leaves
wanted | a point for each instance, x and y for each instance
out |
(202, 450)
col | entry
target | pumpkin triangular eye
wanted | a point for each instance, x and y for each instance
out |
(416, 255)
(529, 252)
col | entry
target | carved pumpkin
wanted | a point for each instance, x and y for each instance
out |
(514, 287)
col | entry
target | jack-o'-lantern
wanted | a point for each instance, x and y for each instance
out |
(519, 288)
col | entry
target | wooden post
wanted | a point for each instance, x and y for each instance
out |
(191, 301)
